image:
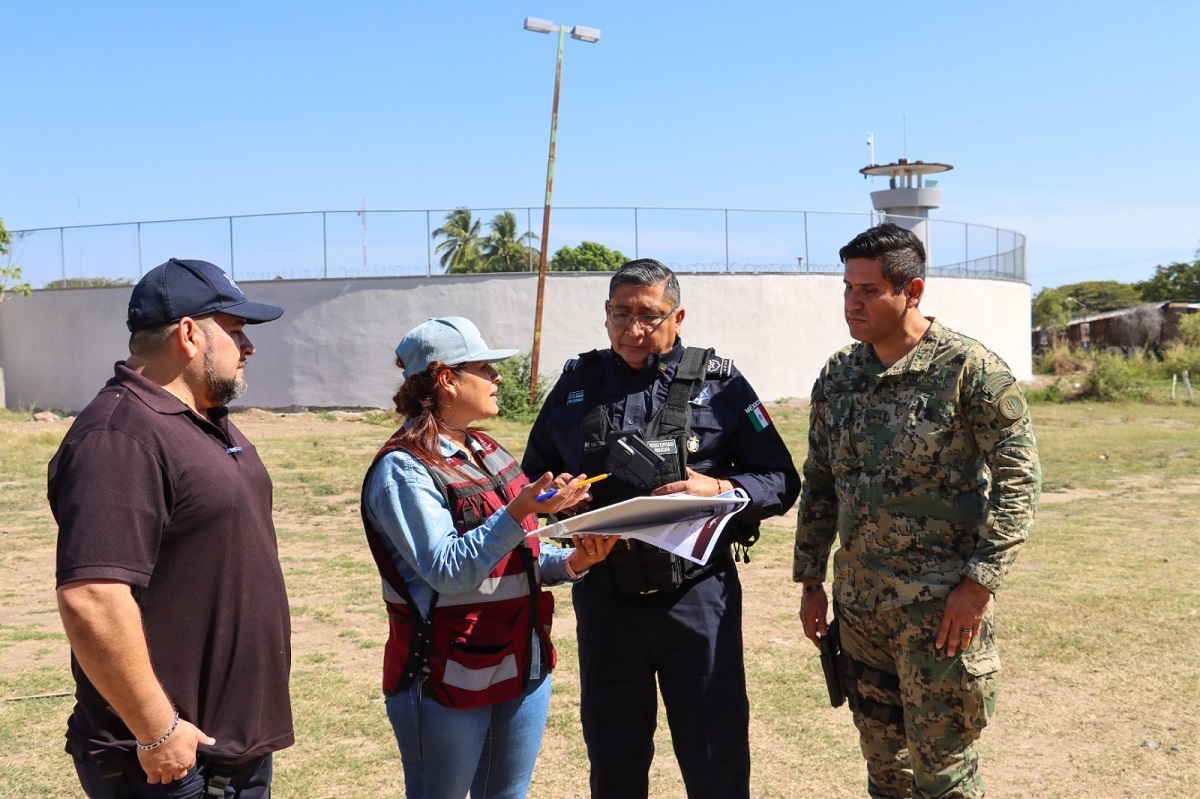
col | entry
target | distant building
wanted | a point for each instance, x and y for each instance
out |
(1150, 324)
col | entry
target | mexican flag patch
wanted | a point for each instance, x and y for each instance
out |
(758, 416)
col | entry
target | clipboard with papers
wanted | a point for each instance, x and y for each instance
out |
(682, 524)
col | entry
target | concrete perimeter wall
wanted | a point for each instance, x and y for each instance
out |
(333, 345)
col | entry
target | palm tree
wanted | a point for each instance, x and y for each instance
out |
(504, 250)
(460, 250)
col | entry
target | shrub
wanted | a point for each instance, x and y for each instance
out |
(1178, 359)
(1050, 394)
(1189, 330)
(514, 389)
(1113, 378)
(1062, 360)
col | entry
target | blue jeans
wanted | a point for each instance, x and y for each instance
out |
(248, 781)
(489, 751)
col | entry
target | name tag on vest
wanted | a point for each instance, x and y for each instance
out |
(664, 447)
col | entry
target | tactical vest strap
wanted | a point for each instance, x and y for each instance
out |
(689, 377)
(634, 567)
(593, 427)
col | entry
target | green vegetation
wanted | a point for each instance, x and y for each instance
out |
(10, 273)
(88, 283)
(587, 257)
(1175, 281)
(1115, 377)
(460, 249)
(514, 389)
(505, 250)
(1188, 333)
(1054, 308)
(465, 250)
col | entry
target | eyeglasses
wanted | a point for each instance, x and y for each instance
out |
(647, 321)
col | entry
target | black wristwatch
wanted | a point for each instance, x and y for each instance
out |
(808, 589)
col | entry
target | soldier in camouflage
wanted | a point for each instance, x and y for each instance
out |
(922, 462)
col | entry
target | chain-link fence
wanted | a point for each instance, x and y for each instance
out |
(378, 243)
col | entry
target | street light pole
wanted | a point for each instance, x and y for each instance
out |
(587, 35)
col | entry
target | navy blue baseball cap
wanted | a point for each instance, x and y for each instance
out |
(176, 289)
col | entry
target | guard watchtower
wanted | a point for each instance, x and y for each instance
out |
(907, 199)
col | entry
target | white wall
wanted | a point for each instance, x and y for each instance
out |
(333, 345)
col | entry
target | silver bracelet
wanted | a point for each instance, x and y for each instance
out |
(163, 739)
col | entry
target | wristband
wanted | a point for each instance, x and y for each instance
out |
(163, 739)
(808, 589)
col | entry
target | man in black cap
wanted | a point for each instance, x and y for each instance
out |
(169, 583)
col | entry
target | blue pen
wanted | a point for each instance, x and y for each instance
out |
(587, 482)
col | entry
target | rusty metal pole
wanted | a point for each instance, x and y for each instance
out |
(541, 284)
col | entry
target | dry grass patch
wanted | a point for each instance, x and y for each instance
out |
(1100, 692)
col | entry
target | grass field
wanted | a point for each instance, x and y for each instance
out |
(1098, 625)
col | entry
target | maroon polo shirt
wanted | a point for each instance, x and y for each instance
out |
(150, 493)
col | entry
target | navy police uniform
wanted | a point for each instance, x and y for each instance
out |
(644, 614)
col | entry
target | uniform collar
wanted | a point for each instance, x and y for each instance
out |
(921, 356)
(916, 360)
(657, 363)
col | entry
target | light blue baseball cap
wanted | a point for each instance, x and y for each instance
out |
(449, 339)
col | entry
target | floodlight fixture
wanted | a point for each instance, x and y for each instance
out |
(539, 25)
(585, 34)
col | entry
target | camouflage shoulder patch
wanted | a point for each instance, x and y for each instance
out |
(995, 384)
(1010, 405)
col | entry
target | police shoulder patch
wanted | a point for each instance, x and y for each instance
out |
(1010, 405)
(719, 368)
(574, 363)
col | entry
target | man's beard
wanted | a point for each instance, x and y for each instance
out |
(221, 390)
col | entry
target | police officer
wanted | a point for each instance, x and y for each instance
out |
(922, 461)
(644, 613)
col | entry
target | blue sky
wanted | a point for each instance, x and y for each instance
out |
(1071, 122)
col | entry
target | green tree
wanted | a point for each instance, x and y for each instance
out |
(1175, 281)
(460, 250)
(587, 257)
(504, 250)
(1098, 296)
(10, 273)
(88, 282)
(1051, 312)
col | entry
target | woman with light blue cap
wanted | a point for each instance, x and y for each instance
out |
(450, 520)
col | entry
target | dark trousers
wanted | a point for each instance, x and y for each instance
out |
(250, 780)
(691, 640)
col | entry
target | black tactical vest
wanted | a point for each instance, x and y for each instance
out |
(633, 567)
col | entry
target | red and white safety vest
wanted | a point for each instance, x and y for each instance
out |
(474, 648)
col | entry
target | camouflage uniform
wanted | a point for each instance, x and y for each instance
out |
(927, 472)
